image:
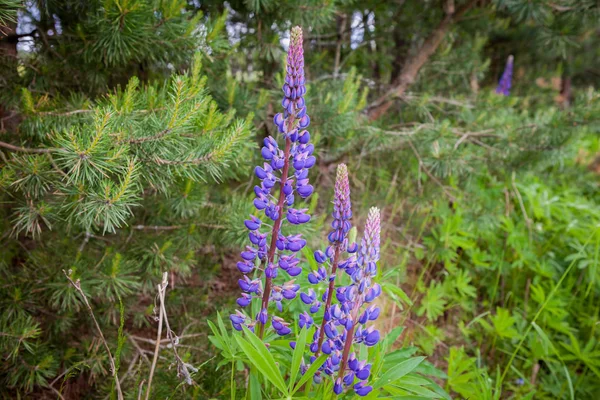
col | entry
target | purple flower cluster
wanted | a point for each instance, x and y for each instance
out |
(278, 252)
(348, 309)
(342, 213)
(344, 323)
(506, 79)
(354, 312)
(342, 207)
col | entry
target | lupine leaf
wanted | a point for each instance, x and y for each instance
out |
(263, 361)
(396, 293)
(397, 372)
(310, 372)
(297, 357)
(255, 393)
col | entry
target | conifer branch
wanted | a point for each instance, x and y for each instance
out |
(159, 135)
(193, 161)
(174, 227)
(429, 174)
(12, 147)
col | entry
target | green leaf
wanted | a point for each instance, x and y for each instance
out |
(297, 357)
(222, 325)
(391, 337)
(548, 343)
(503, 323)
(262, 360)
(397, 372)
(254, 389)
(395, 292)
(310, 372)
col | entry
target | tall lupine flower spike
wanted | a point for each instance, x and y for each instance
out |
(506, 80)
(338, 239)
(352, 315)
(279, 251)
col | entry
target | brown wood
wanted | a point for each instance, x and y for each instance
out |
(413, 64)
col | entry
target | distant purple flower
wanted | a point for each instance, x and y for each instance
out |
(506, 79)
(283, 175)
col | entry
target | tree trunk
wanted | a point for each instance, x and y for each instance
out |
(413, 64)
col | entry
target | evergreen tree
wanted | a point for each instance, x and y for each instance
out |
(112, 149)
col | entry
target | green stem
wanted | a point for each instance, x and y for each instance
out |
(539, 312)
(232, 387)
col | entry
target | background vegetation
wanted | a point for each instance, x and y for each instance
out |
(129, 130)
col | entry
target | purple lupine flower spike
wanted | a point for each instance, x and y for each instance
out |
(342, 212)
(275, 197)
(352, 298)
(506, 80)
(342, 209)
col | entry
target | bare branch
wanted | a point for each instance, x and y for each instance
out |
(12, 147)
(158, 336)
(182, 367)
(173, 227)
(77, 286)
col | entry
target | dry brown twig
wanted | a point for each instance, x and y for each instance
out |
(183, 369)
(77, 286)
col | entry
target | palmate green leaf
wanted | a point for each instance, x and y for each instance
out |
(221, 339)
(398, 356)
(434, 302)
(462, 372)
(261, 358)
(504, 323)
(310, 372)
(217, 339)
(397, 372)
(297, 357)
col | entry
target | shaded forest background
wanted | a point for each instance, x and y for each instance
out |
(129, 130)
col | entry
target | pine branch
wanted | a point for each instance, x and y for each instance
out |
(193, 161)
(12, 147)
(429, 174)
(159, 135)
(173, 227)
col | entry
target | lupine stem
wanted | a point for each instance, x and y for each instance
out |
(346, 353)
(349, 340)
(277, 224)
(336, 258)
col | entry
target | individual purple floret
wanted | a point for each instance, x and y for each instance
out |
(278, 252)
(506, 80)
